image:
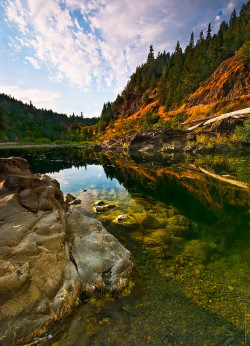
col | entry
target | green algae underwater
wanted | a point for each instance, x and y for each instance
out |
(187, 228)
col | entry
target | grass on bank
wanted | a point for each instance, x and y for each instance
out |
(45, 141)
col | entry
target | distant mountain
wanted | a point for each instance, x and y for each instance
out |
(19, 121)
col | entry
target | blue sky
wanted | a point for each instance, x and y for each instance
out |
(74, 55)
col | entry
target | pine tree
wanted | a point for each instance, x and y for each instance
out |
(191, 41)
(151, 54)
(162, 88)
(153, 82)
(209, 30)
(201, 38)
(233, 19)
(245, 50)
(178, 49)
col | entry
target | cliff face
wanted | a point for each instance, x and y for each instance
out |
(226, 90)
(230, 80)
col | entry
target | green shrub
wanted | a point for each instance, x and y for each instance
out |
(3, 137)
(243, 132)
(43, 140)
(60, 141)
(149, 120)
(29, 139)
(178, 119)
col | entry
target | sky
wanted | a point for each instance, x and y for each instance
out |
(74, 55)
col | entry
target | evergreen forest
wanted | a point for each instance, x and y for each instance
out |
(24, 122)
(175, 76)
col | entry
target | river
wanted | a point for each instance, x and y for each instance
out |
(187, 230)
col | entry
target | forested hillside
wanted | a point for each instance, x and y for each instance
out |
(19, 121)
(165, 82)
(163, 91)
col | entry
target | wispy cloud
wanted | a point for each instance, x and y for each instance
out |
(98, 43)
(33, 61)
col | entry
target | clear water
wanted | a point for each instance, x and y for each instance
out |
(189, 240)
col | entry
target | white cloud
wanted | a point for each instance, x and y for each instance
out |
(100, 42)
(16, 13)
(40, 99)
(33, 62)
(230, 6)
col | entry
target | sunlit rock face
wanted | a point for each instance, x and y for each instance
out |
(39, 282)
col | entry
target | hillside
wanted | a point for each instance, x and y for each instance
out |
(207, 78)
(226, 90)
(19, 121)
(231, 79)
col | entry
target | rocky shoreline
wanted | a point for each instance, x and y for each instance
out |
(48, 254)
(188, 140)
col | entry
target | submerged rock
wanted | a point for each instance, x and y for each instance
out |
(101, 260)
(100, 207)
(99, 203)
(69, 198)
(75, 202)
(122, 218)
(197, 251)
(39, 284)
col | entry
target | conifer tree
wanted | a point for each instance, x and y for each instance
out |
(153, 82)
(151, 54)
(162, 88)
(191, 41)
(209, 30)
(233, 19)
(201, 38)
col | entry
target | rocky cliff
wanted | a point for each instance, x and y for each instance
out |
(231, 79)
(226, 90)
(42, 274)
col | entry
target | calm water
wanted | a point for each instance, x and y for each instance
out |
(188, 234)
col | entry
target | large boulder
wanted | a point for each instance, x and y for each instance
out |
(15, 165)
(101, 260)
(40, 282)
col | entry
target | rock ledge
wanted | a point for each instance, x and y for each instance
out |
(41, 274)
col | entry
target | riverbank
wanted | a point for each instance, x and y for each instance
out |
(220, 136)
(48, 254)
(14, 145)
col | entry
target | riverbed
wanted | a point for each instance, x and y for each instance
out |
(187, 228)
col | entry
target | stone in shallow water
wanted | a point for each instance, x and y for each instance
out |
(99, 203)
(69, 198)
(75, 202)
(121, 218)
(101, 260)
(100, 208)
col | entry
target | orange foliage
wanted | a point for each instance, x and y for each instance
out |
(209, 99)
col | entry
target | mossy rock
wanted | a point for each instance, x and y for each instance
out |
(159, 251)
(170, 212)
(137, 235)
(179, 225)
(129, 222)
(196, 251)
(152, 222)
(156, 237)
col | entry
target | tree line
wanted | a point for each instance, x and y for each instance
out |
(178, 74)
(20, 121)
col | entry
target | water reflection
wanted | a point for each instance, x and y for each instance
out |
(188, 233)
(91, 177)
